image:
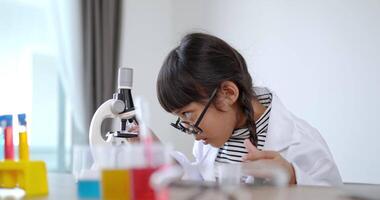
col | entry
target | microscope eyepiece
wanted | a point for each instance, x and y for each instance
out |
(125, 78)
(124, 94)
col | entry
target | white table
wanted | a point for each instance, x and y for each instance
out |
(62, 186)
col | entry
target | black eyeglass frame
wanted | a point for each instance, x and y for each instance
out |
(194, 129)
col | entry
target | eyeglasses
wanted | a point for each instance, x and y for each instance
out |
(190, 129)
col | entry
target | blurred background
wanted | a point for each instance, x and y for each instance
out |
(59, 61)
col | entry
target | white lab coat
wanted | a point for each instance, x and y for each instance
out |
(296, 141)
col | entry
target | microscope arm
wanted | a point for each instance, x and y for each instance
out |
(104, 111)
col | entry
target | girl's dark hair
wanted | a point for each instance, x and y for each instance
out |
(196, 67)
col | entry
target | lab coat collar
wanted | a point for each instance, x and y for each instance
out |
(281, 134)
(282, 128)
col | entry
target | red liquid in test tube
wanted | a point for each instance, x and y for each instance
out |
(9, 152)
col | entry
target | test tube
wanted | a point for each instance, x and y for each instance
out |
(1, 143)
(9, 178)
(6, 123)
(23, 139)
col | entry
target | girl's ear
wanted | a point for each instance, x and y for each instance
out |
(228, 94)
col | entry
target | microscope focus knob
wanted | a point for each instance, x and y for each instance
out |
(117, 107)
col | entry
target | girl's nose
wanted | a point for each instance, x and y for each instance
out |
(186, 125)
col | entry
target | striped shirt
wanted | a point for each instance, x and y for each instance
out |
(233, 150)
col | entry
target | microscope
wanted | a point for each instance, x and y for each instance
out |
(120, 107)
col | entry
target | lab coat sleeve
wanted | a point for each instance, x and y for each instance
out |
(190, 169)
(310, 156)
(313, 164)
(326, 175)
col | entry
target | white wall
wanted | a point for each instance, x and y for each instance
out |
(146, 39)
(321, 58)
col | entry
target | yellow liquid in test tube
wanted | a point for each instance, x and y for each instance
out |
(23, 146)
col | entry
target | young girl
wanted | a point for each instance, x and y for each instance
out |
(205, 82)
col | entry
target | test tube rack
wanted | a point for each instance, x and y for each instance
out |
(31, 176)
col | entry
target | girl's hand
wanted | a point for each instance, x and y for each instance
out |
(136, 129)
(255, 154)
